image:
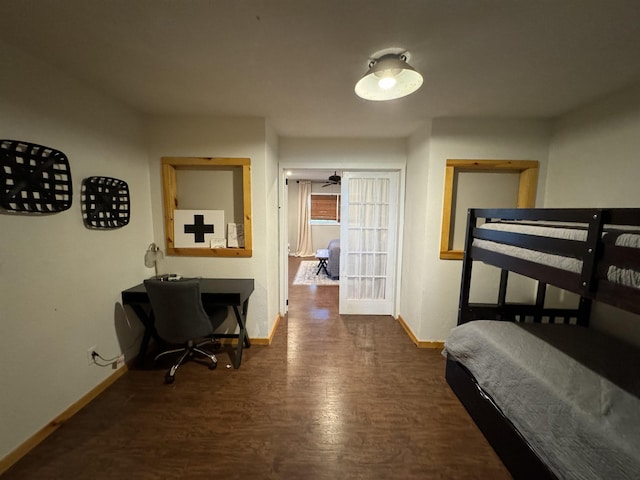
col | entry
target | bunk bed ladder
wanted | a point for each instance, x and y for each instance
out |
(464, 311)
(502, 293)
(541, 294)
(588, 277)
(584, 312)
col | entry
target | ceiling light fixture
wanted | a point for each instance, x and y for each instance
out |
(389, 77)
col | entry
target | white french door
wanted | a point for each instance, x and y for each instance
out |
(368, 245)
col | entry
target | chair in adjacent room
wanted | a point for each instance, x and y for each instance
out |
(180, 319)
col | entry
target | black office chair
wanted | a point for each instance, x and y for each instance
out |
(180, 319)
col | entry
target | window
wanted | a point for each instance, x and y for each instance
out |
(325, 208)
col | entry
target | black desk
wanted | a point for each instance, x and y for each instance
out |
(230, 292)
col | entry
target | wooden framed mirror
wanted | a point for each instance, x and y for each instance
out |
(208, 184)
(482, 184)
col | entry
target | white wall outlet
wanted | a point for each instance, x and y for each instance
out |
(120, 361)
(90, 350)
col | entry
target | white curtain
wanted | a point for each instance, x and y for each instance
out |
(305, 245)
(367, 238)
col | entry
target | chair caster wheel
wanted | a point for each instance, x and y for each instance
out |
(168, 379)
(213, 365)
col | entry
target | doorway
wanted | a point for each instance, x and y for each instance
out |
(369, 247)
(391, 269)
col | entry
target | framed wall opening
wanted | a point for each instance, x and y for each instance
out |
(482, 184)
(201, 183)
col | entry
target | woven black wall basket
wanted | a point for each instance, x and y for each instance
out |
(34, 178)
(105, 202)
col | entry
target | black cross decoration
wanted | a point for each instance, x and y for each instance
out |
(198, 228)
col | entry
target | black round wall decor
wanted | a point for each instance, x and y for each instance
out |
(105, 202)
(34, 178)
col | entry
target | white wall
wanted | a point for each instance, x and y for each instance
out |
(593, 155)
(60, 282)
(225, 137)
(415, 230)
(593, 162)
(323, 234)
(458, 139)
(272, 235)
(342, 153)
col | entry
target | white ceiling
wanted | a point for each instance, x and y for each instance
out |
(296, 62)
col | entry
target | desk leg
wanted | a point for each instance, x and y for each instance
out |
(245, 308)
(149, 331)
(243, 338)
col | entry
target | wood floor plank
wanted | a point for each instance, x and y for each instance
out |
(332, 397)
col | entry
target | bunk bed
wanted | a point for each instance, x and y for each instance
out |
(554, 398)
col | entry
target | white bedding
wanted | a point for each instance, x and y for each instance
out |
(615, 274)
(572, 392)
(631, 240)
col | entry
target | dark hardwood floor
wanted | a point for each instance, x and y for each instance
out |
(333, 397)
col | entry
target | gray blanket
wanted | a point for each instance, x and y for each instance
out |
(572, 392)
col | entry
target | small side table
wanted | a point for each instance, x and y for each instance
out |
(322, 254)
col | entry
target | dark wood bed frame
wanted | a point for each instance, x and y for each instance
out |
(591, 284)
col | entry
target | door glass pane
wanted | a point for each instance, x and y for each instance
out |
(367, 238)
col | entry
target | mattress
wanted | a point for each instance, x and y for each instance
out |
(616, 274)
(572, 392)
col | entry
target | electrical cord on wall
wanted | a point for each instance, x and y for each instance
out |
(109, 361)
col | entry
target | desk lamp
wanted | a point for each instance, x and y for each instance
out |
(152, 256)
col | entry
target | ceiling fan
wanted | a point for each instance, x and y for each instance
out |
(333, 180)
